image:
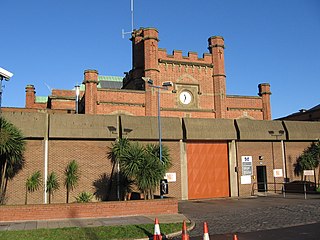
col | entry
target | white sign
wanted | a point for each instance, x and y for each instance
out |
(308, 172)
(277, 173)
(246, 179)
(171, 177)
(246, 165)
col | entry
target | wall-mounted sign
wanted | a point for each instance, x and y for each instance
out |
(246, 179)
(171, 177)
(246, 165)
(277, 173)
(308, 172)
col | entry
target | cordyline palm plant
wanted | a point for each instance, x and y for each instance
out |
(154, 169)
(114, 154)
(33, 183)
(52, 184)
(12, 146)
(144, 166)
(71, 177)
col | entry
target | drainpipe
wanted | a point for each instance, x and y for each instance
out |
(46, 157)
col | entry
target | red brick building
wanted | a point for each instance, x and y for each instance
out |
(198, 86)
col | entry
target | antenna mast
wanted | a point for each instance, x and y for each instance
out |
(132, 26)
(132, 21)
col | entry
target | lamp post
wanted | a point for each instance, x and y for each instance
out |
(77, 87)
(278, 134)
(164, 86)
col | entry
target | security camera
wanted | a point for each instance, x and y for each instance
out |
(167, 84)
(5, 74)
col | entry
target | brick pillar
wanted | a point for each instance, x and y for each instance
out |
(150, 53)
(30, 96)
(264, 93)
(216, 48)
(91, 82)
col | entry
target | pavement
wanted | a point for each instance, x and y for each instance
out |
(91, 222)
(224, 216)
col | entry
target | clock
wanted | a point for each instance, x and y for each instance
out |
(185, 97)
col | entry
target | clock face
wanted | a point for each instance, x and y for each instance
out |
(185, 97)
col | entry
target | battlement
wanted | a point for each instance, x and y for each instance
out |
(177, 58)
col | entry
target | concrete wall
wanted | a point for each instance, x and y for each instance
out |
(53, 140)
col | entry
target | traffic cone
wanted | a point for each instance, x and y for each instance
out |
(205, 231)
(235, 237)
(157, 234)
(185, 235)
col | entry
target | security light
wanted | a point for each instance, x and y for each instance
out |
(4, 74)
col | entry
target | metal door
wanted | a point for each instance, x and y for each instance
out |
(262, 178)
(208, 170)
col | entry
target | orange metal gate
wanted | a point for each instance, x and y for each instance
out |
(208, 171)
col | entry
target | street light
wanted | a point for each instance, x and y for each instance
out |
(4, 75)
(77, 87)
(164, 86)
(279, 134)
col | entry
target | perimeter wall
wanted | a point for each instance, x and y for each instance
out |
(206, 153)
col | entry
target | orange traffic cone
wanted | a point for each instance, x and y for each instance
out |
(205, 231)
(235, 237)
(185, 235)
(157, 234)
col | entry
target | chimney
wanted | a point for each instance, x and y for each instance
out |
(30, 96)
(91, 82)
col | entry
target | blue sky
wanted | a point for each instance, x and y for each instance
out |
(50, 43)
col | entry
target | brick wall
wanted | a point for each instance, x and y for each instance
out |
(88, 210)
(33, 161)
(293, 151)
(256, 149)
(94, 166)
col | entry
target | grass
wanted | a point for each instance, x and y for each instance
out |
(91, 233)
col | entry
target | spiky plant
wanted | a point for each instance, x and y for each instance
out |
(33, 183)
(84, 197)
(52, 185)
(114, 154)
(12, 147)
(71, 177)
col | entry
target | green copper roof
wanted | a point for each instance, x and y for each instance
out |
(110, 78)
(41, 99)
(111, 82)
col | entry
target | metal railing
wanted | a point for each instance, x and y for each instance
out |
(272, 188)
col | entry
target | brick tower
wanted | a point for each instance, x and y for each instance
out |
(145, 64)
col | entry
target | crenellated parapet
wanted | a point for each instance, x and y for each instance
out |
(177, 58)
